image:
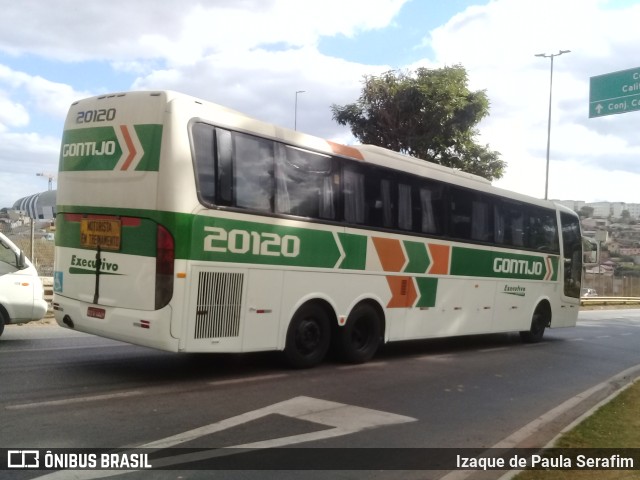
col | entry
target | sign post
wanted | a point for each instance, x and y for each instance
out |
(617, 92)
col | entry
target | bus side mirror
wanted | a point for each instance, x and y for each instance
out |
(590, 252)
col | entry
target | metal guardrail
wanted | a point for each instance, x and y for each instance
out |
(610, 301)
(47, 284)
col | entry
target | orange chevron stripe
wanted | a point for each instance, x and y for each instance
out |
(345, 150)
(440, 255)
(390, 253)
(130, 146)
(403, 292)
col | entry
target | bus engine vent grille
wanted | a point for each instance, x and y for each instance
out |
(219, 305)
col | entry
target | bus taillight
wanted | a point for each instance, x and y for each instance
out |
(165, 255)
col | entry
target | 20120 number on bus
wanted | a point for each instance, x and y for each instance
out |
(258, 243)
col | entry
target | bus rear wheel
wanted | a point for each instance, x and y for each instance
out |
(308, 337)
(539, 323)
(359, 339)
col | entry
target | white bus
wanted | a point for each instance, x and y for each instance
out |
(188, 227)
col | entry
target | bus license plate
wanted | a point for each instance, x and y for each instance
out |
(96, 312)
(105, 233)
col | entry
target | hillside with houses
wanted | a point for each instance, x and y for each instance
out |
(616, 226)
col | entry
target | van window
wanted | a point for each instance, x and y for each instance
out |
(9, 260)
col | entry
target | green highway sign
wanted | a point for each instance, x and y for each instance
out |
(617, 92)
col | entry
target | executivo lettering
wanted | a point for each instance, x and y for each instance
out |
(517, 290)
(105, 266)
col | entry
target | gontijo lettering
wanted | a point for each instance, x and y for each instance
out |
(514, 265)
(83, 149)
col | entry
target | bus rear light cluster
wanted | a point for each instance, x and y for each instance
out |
(165, 256)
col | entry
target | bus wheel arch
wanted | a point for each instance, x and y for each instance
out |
(309, 334)
(362, 334)
(540, 320)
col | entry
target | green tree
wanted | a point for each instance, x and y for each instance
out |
(430, 114)
(586, 212)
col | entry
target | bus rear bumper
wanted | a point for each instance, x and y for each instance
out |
(139, 327)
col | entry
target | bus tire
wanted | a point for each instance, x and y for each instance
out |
(308, 337)
(539, 321)
(359, 339)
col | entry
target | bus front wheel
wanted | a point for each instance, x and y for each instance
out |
(359, 339)
(308, 337)
(539, 323)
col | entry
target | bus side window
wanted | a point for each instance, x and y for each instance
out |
(224, 166)
(405, 209)
(572, 251)
(353, 195)
(254, 163)
(304, 183)
(203, 148)
(379, 208)
(431, 208)
(481, 219)
(543, 232)
(509, 226)
(461, 208)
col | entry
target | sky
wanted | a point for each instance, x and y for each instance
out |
(254, 55)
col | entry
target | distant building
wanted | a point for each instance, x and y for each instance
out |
(574, 205)
(39, 206)
(604, 209)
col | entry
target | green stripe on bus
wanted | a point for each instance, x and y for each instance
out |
(355, 251)
(135, 240)
(200, 237)
(224, 240)
(428, 288)
(472, 262)
(418, 257)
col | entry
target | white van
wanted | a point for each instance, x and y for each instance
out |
(21, 293)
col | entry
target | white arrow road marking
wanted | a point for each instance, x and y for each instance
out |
(344, 420)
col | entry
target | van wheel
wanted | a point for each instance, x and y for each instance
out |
(539, 322)
(359, 339)
(308, 337)
(2, 321)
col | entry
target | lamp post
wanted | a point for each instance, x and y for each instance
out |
(551, 56)
(295, 111)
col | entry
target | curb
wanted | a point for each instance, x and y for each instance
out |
(551, 425)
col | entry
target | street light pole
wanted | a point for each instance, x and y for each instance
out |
(295, 111)
(544, 55)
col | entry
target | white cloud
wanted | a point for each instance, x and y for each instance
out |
(12, 114)
(497, 44)
(263, 83)
(39, 94)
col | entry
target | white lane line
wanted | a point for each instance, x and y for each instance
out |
(339, 418)
(54, 349)
(235, 381)
(67, 401)
(363, 365)
(495, 349)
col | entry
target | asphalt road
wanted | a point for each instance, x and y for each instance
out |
(60, 389)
